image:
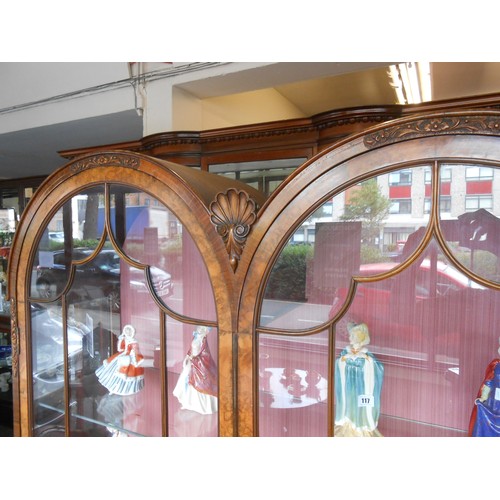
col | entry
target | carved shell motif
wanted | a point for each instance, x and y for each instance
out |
(233, 214)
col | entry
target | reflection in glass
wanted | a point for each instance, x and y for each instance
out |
(350, 235)
(86, 302)
(72, 234)
(264, 175)
(430, 325)
(48, 364)
(472, 228)
(9, 199)
(108, 306)
(293, 385)
(149, 233)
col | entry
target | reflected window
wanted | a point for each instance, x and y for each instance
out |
(402, 206)
(400, 178)
(476, 173)
(444, 174)
(444, 204)
(475, 202)
(427, 206)
(265, 175)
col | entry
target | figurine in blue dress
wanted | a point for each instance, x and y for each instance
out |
(358, 386)
(485, 418)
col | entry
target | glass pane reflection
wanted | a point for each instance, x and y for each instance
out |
(434, 331)
(471, 225)
(350, 235)
(113, 388)
(293, 385)
(98, 318)
(48, 365)
(72, 234)
(149, 233)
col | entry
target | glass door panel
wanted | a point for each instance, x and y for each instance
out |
(192, 376)
(470, 221)
(115, 390)
(264, 175)
(48, 365)
(293, 385)
(352, 234)
(429, 328)
(107, 291)
(152, 235)
(71, 235)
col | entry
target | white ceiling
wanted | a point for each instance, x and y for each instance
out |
(34, 152)
(311, 87)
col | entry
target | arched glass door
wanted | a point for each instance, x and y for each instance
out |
(378, 314)
(122, 319)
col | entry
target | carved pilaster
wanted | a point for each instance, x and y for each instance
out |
(14, 336)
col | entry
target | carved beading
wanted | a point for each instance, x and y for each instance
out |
(233, 214)
(445, 125)
(14, 337)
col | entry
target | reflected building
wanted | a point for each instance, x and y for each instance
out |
(462, 189)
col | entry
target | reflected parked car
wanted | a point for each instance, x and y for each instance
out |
(161, 281)
(448, 279)
(104, 269)
(56, 236)
(401, 310)
(97, 279)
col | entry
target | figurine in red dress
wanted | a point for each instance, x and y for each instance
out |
(123, 373)
(196, 388)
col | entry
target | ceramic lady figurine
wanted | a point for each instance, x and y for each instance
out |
(358, 386)
(196, 388)
(485, 418)
(123, 373)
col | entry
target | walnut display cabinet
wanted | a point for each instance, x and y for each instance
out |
(242, 303)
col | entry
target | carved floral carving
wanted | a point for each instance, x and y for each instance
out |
(105, 160)
(443, 125)
(233, 214)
